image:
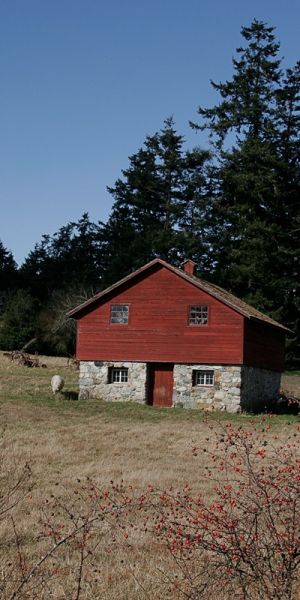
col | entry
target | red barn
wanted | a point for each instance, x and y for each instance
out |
(163, 336)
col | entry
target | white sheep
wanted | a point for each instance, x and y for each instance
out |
(57, 384)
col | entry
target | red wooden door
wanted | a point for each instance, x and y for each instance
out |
(161, 384)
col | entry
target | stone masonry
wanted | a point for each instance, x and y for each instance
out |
(225, 394)
(235, 387)
(94, 381)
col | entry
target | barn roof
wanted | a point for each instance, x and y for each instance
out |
(213, 290)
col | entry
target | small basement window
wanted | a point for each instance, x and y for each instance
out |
(203, 378)
(119, 314)
(198, 314)
(116, 375)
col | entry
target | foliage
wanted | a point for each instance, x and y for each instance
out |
(19, 321)
(8, 276)
(247, 539)
(56, 333)
(61, 272)
(255, 132)
(247, 105)
(71, 255)
(8, 268)
(158, 206)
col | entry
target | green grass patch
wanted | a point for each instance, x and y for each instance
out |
(32, 385)
(292, 373)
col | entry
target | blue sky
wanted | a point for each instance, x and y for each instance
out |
(84, 81)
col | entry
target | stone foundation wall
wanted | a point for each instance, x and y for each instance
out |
(235, 388)
(94, 382)
(224, 394)
(258, 387)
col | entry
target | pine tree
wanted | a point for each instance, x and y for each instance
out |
(71, 257)
(287, 211)
(156, 205)
(59, 273)
(18, 322)
(247, 105)
(8, 269)
(255, 133)
(9, 276)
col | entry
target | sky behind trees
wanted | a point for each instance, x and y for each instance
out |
(83, 83)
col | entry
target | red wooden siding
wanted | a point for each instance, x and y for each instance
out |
(263, 346)
(158, 329)
(160, 391)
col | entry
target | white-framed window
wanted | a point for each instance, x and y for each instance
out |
(118, 375)
(203, 377)
(119, 314)
(198, 314)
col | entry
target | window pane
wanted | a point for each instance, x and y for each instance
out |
(209, 378)
(198, 315)
(119, 314)
(203, 377)
(119, 375)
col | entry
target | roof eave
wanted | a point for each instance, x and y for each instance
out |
(274, 324)
(190, 278)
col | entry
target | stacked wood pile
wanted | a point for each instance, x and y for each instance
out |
(22, 359)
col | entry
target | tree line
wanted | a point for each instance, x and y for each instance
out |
(233, 208)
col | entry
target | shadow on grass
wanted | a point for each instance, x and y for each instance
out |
(69, 395)
(285, 404)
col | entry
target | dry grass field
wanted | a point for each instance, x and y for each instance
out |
(67, 444)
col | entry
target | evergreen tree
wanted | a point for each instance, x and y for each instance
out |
(255, 133)
(248, 100)
(156, 205)
(61, 271)
(71, 257)
(8, 269)
(55, 332)
(287, 210)
(8, 276)
(18, 323)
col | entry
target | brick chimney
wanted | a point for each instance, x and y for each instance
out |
(189, 266)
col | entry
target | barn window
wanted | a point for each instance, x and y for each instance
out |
(116, 375)
(203, 377)
(119, 314)
(198, 314)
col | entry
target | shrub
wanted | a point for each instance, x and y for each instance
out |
(246, 541)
